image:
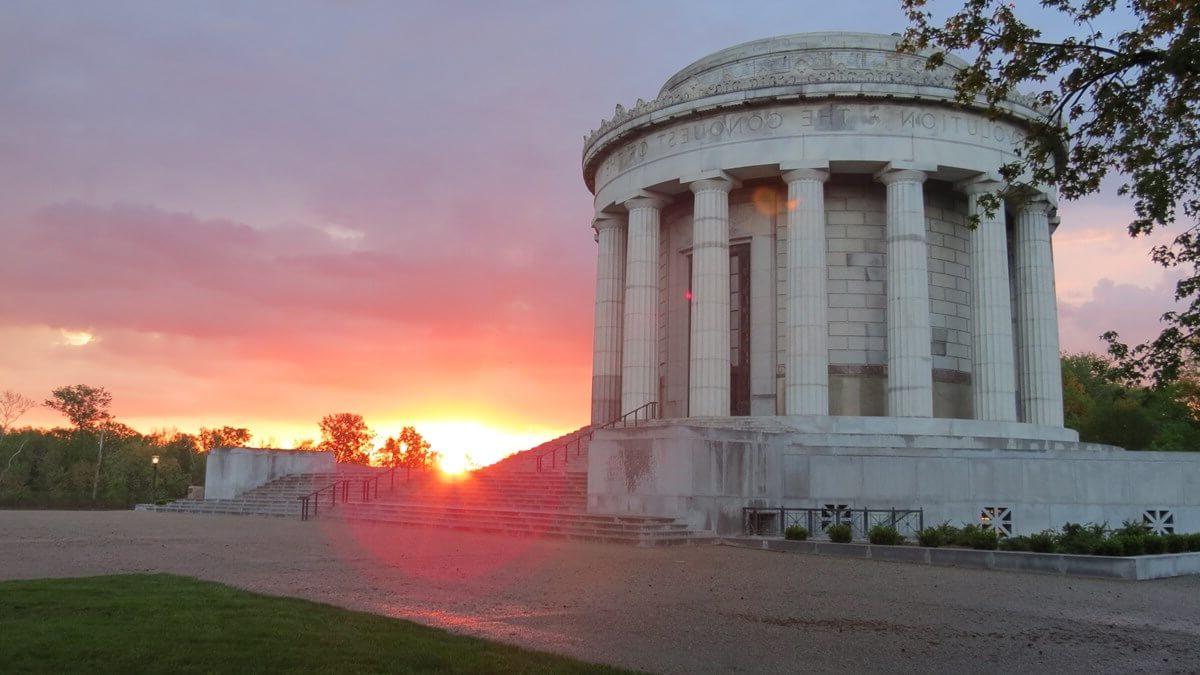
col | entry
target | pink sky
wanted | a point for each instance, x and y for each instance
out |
(259, 213)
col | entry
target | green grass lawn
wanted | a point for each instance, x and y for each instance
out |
(166, 623)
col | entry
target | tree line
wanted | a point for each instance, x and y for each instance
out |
(99, 462)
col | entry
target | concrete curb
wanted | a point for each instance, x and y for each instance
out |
(1135, 568)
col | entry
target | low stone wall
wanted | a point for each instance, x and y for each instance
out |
(1133, 568)
(231, 471)
(1030, 478)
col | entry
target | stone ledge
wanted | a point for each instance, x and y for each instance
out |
(1135, 568)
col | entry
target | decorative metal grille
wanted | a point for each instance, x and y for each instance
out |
(1159, 521)
(998, 518)
(768, 522)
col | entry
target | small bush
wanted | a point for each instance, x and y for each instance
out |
(1081, 539)
(1134, 528)
(932, 537)
(984, 540)
(1176, 543)
(884, 535)
(966, 535)
(1193, 541)
(1045, 541)
(948, 533)
(1015, 544)
(1132, 544)
(1110, 546)
(1154, 544)
(841, 533)
(796, 533)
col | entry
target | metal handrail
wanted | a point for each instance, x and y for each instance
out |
(645, 412)
(315, 496)
(368, 490)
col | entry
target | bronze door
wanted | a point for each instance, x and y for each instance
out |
(739, 329)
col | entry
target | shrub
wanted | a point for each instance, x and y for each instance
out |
(841, 533)
(966, 535)
(1176, 543)
(1193, 541)
(1015, 544)
(1110, 546)
(795, 533)
(1081, 539)
(1135, 528)
(1045, 541)
(1154, 544)
(1132, 544)
(933, 537)
(984, 540)
(884, 535)
(948, 533)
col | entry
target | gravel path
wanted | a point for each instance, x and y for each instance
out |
(689, 609)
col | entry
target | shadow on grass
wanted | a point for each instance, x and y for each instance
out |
(168, 623)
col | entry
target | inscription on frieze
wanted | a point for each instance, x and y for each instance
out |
(816, 120)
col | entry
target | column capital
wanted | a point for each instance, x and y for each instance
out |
(980, 186)
(646, 200)
(711, 180)
(1036, 203)
(890, 175)
(608, 221)
(819, 175)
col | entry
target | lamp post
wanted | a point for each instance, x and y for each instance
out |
(154, 482)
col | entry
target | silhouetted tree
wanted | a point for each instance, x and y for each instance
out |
(87, 408)
(12, 407)
(224, 437)
(409, 449)
(348, 437)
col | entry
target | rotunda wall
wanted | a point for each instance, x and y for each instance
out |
(838, 131)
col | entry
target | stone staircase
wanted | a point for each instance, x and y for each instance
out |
(510, 497)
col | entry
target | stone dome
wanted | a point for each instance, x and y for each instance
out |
(789, 69)
(825, 56)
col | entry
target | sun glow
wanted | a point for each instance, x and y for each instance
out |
(76, 338)
(463, 445)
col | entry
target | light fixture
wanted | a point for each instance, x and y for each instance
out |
(154, 459)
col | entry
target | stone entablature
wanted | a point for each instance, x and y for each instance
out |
(791, 68)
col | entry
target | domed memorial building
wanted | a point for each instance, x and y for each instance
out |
(789, 286)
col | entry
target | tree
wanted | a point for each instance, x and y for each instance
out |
(225, 437)
(347, 436)
(1124, 103)
(12, 407)
(408, 449)
(1105, 406)
(87, 408)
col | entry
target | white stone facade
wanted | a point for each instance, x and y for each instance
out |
(813, 320)
(795, 216)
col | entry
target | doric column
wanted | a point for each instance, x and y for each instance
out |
(910, 364)
(708, 380)
(639, 347)
(1040, 375)
(610, 299)
(807, 368)
(993, 372)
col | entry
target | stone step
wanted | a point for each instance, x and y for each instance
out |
(564, 530)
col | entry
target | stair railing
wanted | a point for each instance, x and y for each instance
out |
(642, 413)
(313, 498)
(370, 486)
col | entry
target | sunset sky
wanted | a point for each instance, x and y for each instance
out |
(257, 213)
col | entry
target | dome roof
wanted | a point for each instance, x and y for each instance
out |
(832, 56)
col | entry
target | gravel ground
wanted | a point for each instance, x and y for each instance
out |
(687, 609)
